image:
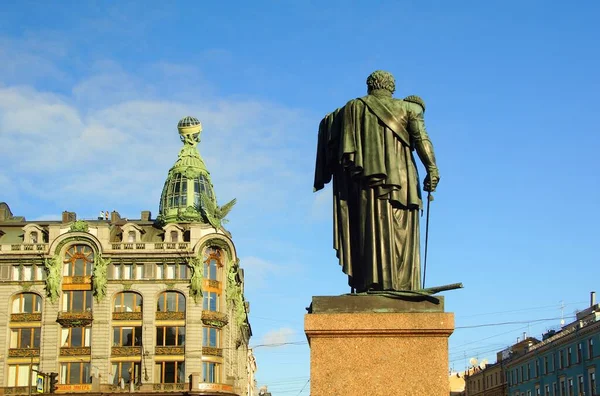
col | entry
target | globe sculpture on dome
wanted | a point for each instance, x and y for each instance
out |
(188, 193)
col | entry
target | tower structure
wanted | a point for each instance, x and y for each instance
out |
(148, 306)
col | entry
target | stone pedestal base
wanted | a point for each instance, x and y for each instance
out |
(378, 351)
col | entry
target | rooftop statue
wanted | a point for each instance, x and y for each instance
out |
(367, 147)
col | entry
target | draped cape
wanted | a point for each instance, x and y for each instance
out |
(366, 148)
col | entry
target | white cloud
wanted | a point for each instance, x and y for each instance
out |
(257, 271)
(116, 140)
(279, 336)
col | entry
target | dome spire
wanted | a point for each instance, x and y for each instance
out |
(188, 178)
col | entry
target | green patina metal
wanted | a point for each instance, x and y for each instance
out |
(186, 179)
(79, 225)
(53, 277)
(99, 277)
(212, 212)
(188, 193)
(197, 266)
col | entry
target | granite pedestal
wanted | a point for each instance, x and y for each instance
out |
(378, 346)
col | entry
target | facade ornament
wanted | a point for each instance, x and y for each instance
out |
(79, 226)
(100, 277)
(214, 214)
(197, 266)
(53, 277)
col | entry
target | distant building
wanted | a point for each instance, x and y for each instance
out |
(562, 364)
(145, 306)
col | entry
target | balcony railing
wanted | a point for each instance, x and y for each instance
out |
(169, 350)
(156, 246)
(19, 390)
(213, 318)
(75, 319)
(26, 317)
(210, 351)
(23, 248)
(75, 351)
(23, 352)
(170, 387)
(170, 316)
(76, 279)
(127, 316)
(126, 351)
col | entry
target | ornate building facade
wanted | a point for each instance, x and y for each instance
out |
(114, 305)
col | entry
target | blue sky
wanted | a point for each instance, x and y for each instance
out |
(91, 92)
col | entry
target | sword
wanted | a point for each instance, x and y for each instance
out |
(429, 199)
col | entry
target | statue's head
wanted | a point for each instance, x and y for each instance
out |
(380, 79)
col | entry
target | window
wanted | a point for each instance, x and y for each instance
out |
(579, 353)
(128, 371)
(76, 337)
(528, 371)
(77, 300)
(176, 192)
(28, 273)
(580, 385)
(27, 303)
(25, 338)
(128, 302)
(171, 302)
(131, 237)
(171, 271)
(210, 301)
(560, 359)
(127, 336)
(19, 374)
(545, 364)
(554, 389)
(590, 348)
(75, 373)
(170, 372)
(563, 389)
(211, 372)
(128, 271)
(212, 261)
(592, 381)
(211, 337)
(547, 390)
(569, 353)
(571, 390)
(170, 336)
(537, 368)
(174, 236)
(33, 237)
(78, 261)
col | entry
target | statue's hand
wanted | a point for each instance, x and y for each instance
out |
(431, 180)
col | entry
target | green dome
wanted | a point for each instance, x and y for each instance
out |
(186, 181)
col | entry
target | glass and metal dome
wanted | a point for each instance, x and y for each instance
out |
(188, 179)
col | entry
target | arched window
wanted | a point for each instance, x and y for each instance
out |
(213, 260)
(26, 303)
(131, 236)
(127, 302)
(26, 307)
(171, 302)
(78, 261)
(174, 236)
(34, 237)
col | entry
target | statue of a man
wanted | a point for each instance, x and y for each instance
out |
(367, 148)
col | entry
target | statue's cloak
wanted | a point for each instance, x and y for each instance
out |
(366, 147)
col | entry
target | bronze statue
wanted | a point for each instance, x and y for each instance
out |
(367, 148)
